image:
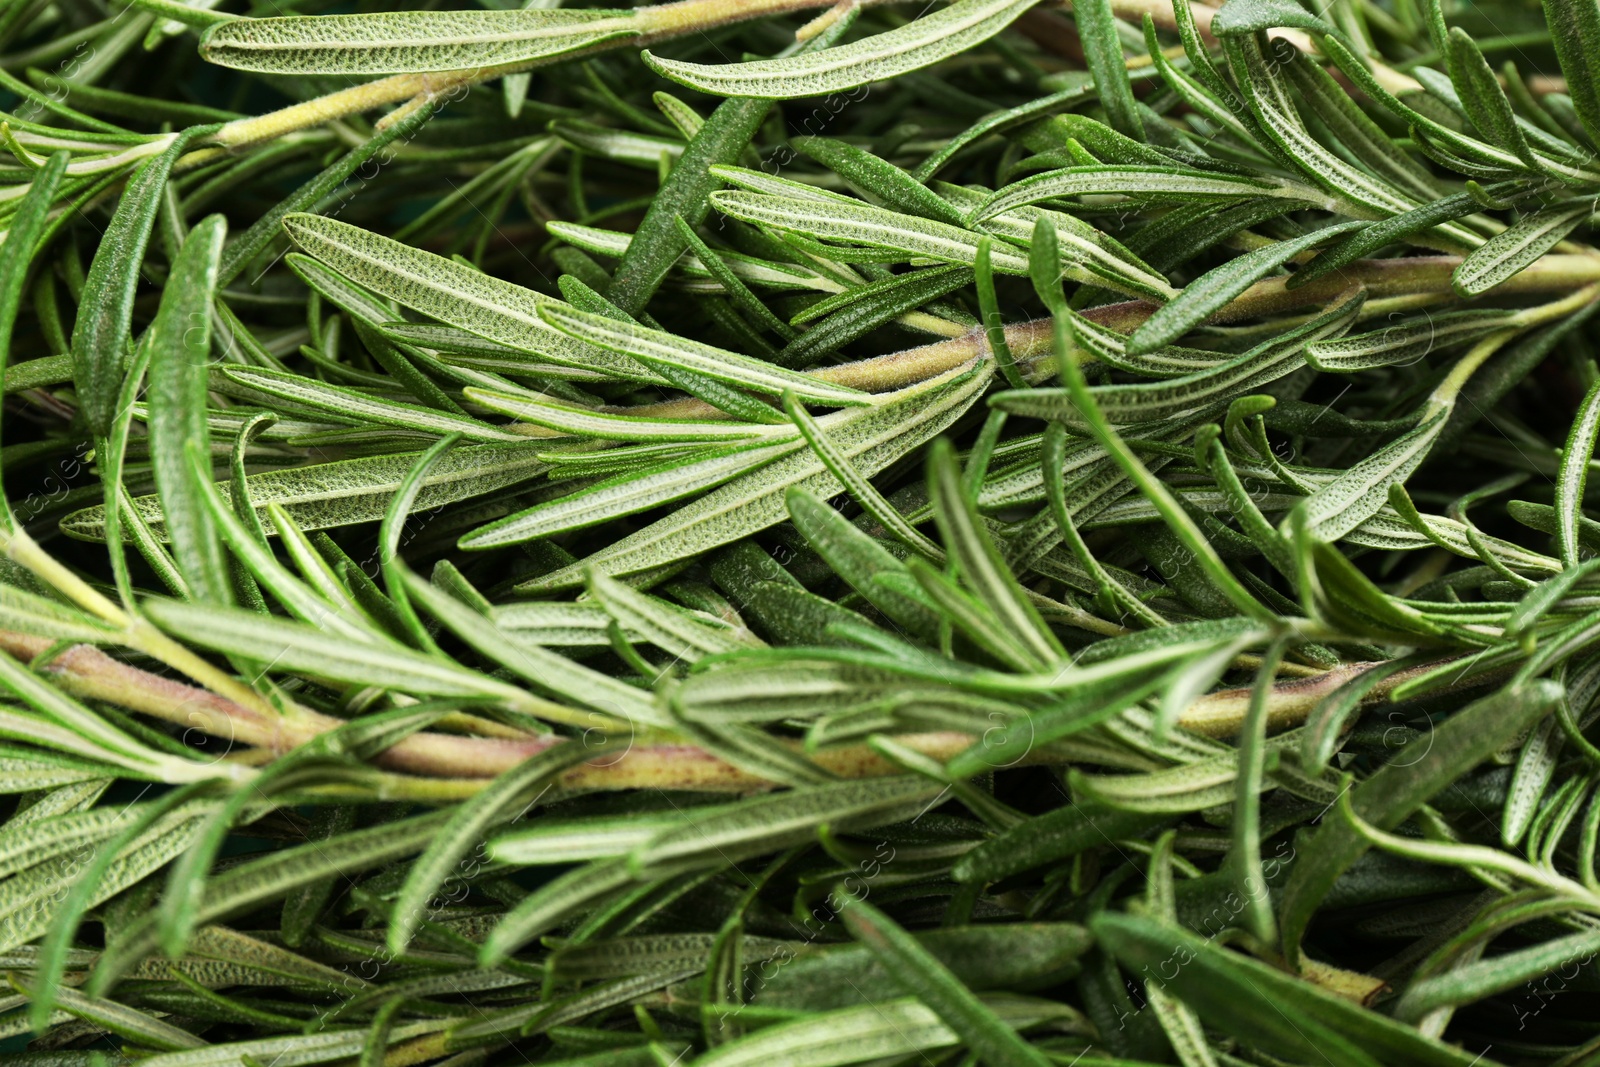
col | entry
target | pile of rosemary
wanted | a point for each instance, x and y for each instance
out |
(752, 532)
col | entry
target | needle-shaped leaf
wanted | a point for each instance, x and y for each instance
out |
(1378, 235)
(858, 559)
(763, 824)
(1575, 31)
(334, 613)
(917, 44)
(980, 565)
(984, 957)
(617, 705)
(668, 628)
(1574, 475)
(1174, 183)
(1366, 143)
(1406, 342)
(1102, 48)
(448, 291)
(1362, 491)
(296, 646)
(859, 311)
(1264, 1006)
(657, 243)
(880, 179)
(1167, 505)
(1202, 391)
(1464, 153)
(395, 42)
(887, 1029)
(269, 877)
(21, 238)
(657, 347)
(738, 292)
(1207, 294)
(1404, 784)
(1482, 97)
(506, 800)
(1247, 17)
(1512, 251)
(1531, 780)
(753, 270)
(356, 407)
(604, 425)
(186, 881)
(857, 486)
(1352, 190)
(351, 491)
(552, 903)
(100, 340)
(244, 248)
(916, 969)
(180, 351)
(92, 882)
(856, 223)
(872, 437)
(1469, 982)
(561, 841)
(628, 494)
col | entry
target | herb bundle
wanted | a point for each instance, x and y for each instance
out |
(775, 533)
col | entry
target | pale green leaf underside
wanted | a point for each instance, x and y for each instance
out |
(397, 42)
(628, 495)
(353, 490)
(873, 437)
(452, 293)
(657, 348)
(697, 275)
(1359, 493)
(298, 647)
(917, 44)
(893, 1029)
(582, 422)
(1514, 250)
(1174, 183)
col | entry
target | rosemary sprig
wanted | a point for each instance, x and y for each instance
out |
(802, 533)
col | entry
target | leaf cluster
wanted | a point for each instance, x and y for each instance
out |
(767, 532)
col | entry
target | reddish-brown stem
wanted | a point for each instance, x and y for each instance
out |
(89, 673)
(1222, 713)
(1030, 342)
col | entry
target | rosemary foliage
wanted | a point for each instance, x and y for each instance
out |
(785, 534)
